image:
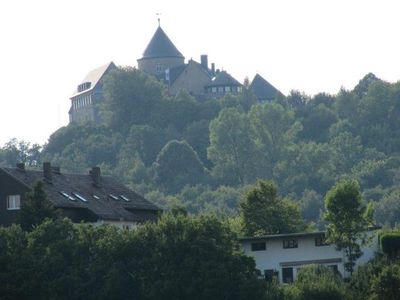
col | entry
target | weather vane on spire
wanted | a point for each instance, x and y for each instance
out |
(159, 19)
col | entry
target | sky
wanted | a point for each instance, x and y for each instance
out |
(47, 47)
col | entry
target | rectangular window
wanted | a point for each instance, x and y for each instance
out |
(287, 244)
(271, 275)
(334, 268)
(320, 241)
(227, 89)
(214, 89)
(220, 89)
(259, 246)
(13, 202)
(287, 275)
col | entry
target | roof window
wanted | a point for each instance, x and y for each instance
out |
(83, 199)
(84, 86)
(69, 197)
(113, 197)
(124, 198)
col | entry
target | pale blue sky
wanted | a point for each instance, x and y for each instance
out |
(48, 46)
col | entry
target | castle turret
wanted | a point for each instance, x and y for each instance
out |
(160, 54)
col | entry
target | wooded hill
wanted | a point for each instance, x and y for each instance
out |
(203, 155)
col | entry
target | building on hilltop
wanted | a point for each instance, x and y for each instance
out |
(88, 94)
(162, 59)
(91, 198)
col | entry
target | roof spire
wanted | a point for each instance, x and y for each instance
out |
(159, 19)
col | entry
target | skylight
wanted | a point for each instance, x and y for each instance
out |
(96, 197)
(67, 196)
(113, 197)
(124, 198)
(83, 199)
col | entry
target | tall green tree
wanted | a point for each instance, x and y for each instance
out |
(36, 208)
(232, 147)
(264, 212)
(178, 164)
(348, 220)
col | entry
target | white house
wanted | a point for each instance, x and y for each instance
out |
(282, 255)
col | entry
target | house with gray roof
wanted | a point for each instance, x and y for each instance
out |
(91, 198)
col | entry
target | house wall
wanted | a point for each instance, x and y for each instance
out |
(275, 257)
(193, 79)
(158, 65)
(9, 186)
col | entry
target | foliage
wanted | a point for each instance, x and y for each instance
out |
(387, 284)
(177, 258)
(19, 151)
(264, 212)
(303, 143)
(348, 220)
(178, 164)
(317, 282)
(35, 208)
(390, 243)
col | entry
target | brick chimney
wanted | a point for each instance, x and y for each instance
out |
(47, 172)
(204, 61)
(96, 176)
(213, 69)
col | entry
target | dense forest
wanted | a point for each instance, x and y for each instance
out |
(204, 155)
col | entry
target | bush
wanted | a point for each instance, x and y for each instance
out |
(316, 282)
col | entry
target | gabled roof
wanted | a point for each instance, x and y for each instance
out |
(94, 76)
(105, 208)
(161, 46)
(263, 89)
(175, 72)
(222, 78)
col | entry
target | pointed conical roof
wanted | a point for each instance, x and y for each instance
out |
(161, 46)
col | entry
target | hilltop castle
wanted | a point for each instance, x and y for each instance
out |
(164, 61)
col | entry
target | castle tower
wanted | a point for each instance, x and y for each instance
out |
(160, 54)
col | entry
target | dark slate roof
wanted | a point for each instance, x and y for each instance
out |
(263, 89)
(94, 77)
(173, 74)
(222, 78)
(104, 208)
(161, 46)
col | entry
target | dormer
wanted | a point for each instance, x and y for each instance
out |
(84, 86)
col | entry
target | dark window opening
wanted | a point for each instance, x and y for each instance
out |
(320, 241)
(287, 275)
(259, 246)
(271, 275)
(287, 244)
